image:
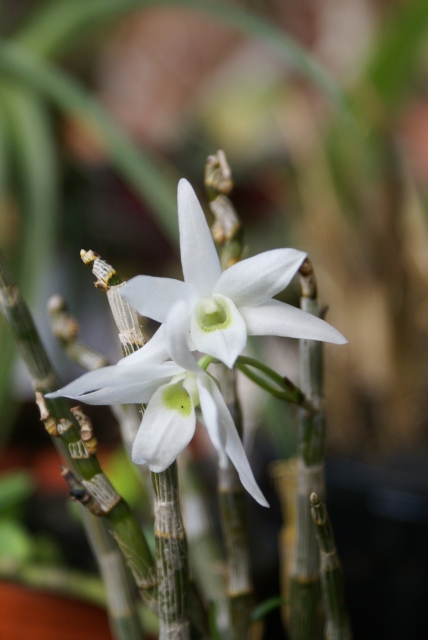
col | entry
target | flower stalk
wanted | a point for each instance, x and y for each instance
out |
(305, 588)
(170, 539)
(337, 625)
(64, 429)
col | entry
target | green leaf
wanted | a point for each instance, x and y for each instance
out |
(212, 622)
(33, 144)
(397, 51)
(8, 407)
(16, 545)
(15, 487)
(266, 607)
(123, 475)
(60, 24)
(150, 178)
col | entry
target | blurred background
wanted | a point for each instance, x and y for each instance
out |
(322, 109)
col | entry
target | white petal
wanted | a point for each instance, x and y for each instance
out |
(164, 432)
(154, 351)
(116, 376)
(177, 328)
(153, 297)
(276, 318)
(201, 266)
(223, 343)
(235, 449)
(254, 280)
(210, 415)
(139, 393)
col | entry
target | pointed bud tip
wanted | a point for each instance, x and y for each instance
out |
(88, 256)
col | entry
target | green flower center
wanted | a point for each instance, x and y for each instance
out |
(212, 313)
(176, 398)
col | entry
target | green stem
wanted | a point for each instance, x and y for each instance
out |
(263, 384)
(280, 380)
(65, 429)
(205, 362)
(337, 625)
(288, 392)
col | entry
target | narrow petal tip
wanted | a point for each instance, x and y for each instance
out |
(262, 501)
(53, 395)
(184, 184)
(338, 338)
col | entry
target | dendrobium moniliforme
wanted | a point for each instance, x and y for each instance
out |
(223, 308)
(173, 390)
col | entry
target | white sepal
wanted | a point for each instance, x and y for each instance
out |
(276, 318)
(201, 266)
(210, 416)
(177, 327)
(254, 280)
(139, 393)
(115, 376)
(235, 449)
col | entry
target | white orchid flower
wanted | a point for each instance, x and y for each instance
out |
(173, 390)
(223, 308)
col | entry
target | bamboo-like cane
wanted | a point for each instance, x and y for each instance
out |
(63, 426)
(228, 233)
(123, 615)
(284, 475)
(305, 588)
(233, 514)
(205, 553)
(170, 539)
(66, 329)
(337, 625)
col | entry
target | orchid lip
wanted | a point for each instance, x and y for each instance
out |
(176, 398)
(212, 313)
